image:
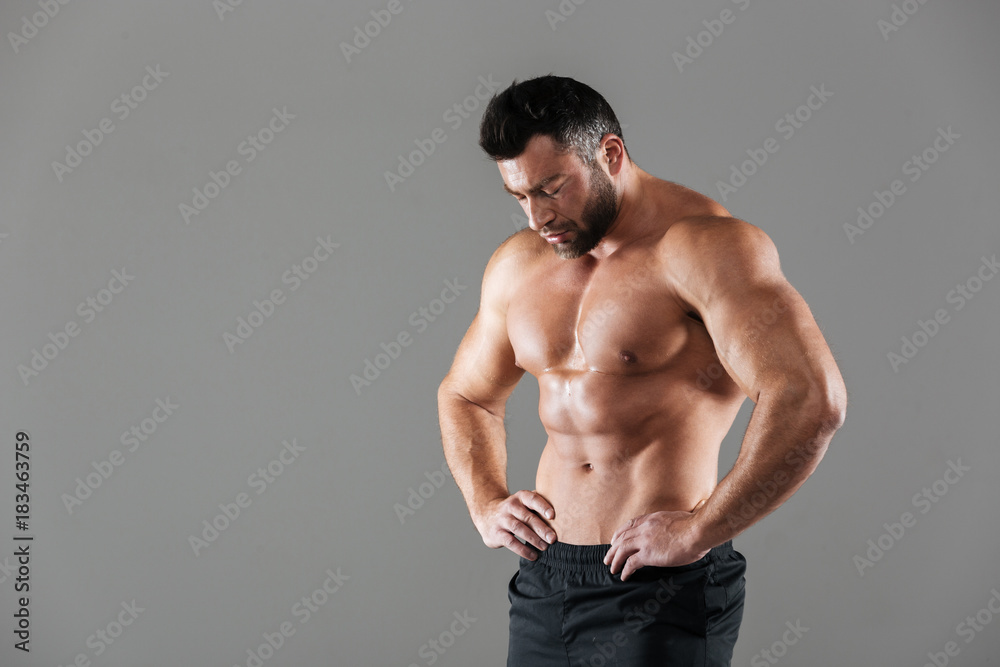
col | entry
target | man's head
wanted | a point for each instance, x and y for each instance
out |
(556, 142)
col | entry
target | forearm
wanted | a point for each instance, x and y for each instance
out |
(784, 442)
(474, 441)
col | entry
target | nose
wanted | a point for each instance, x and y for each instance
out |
(539, 214)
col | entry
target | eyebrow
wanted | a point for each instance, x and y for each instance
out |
(538, 186)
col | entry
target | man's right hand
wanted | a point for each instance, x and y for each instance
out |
(505, 519)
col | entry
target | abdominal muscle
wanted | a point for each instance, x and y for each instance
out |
(597, 482)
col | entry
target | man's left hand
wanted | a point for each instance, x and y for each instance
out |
(659, 539)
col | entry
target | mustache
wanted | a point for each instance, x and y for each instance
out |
(550, 232)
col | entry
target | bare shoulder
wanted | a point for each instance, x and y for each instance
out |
(686, 202)
(715, 247)
(509, 261)
(518, 250)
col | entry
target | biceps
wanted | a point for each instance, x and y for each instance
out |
(767, 339)
(483, 370)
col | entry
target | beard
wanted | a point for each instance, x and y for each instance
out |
(598, 215)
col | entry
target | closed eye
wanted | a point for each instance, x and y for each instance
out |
(547, 194)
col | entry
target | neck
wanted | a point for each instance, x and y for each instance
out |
(636, 211)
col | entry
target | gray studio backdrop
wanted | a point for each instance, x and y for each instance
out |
(241, 241)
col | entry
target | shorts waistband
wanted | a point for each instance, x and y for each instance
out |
(590, 557)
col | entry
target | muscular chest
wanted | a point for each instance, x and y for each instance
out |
(610, 317)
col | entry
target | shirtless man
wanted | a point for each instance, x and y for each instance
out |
(648, 315)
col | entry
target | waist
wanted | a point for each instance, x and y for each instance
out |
(592, 503)
(590, 557)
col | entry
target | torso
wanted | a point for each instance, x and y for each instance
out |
(631, 392)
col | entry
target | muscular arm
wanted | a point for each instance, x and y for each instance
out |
(767, 340)
(473, 395)
(471, 405)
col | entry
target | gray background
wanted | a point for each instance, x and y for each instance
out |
(367, 451)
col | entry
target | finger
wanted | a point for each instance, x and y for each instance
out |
(623, 536)
(626, 549)
(630, 524)
(620, 536)
(631, 565)
(520, 528)
(608, 557)
(524, 513)
(700, 503)
(540, 528)
(537, 502)
(517, 547)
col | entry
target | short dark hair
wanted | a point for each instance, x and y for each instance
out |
(573, 114)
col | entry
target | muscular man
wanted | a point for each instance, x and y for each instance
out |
(648, 315)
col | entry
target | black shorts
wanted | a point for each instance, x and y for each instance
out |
(567, 609)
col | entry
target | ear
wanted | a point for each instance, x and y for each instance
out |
(613, 150)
